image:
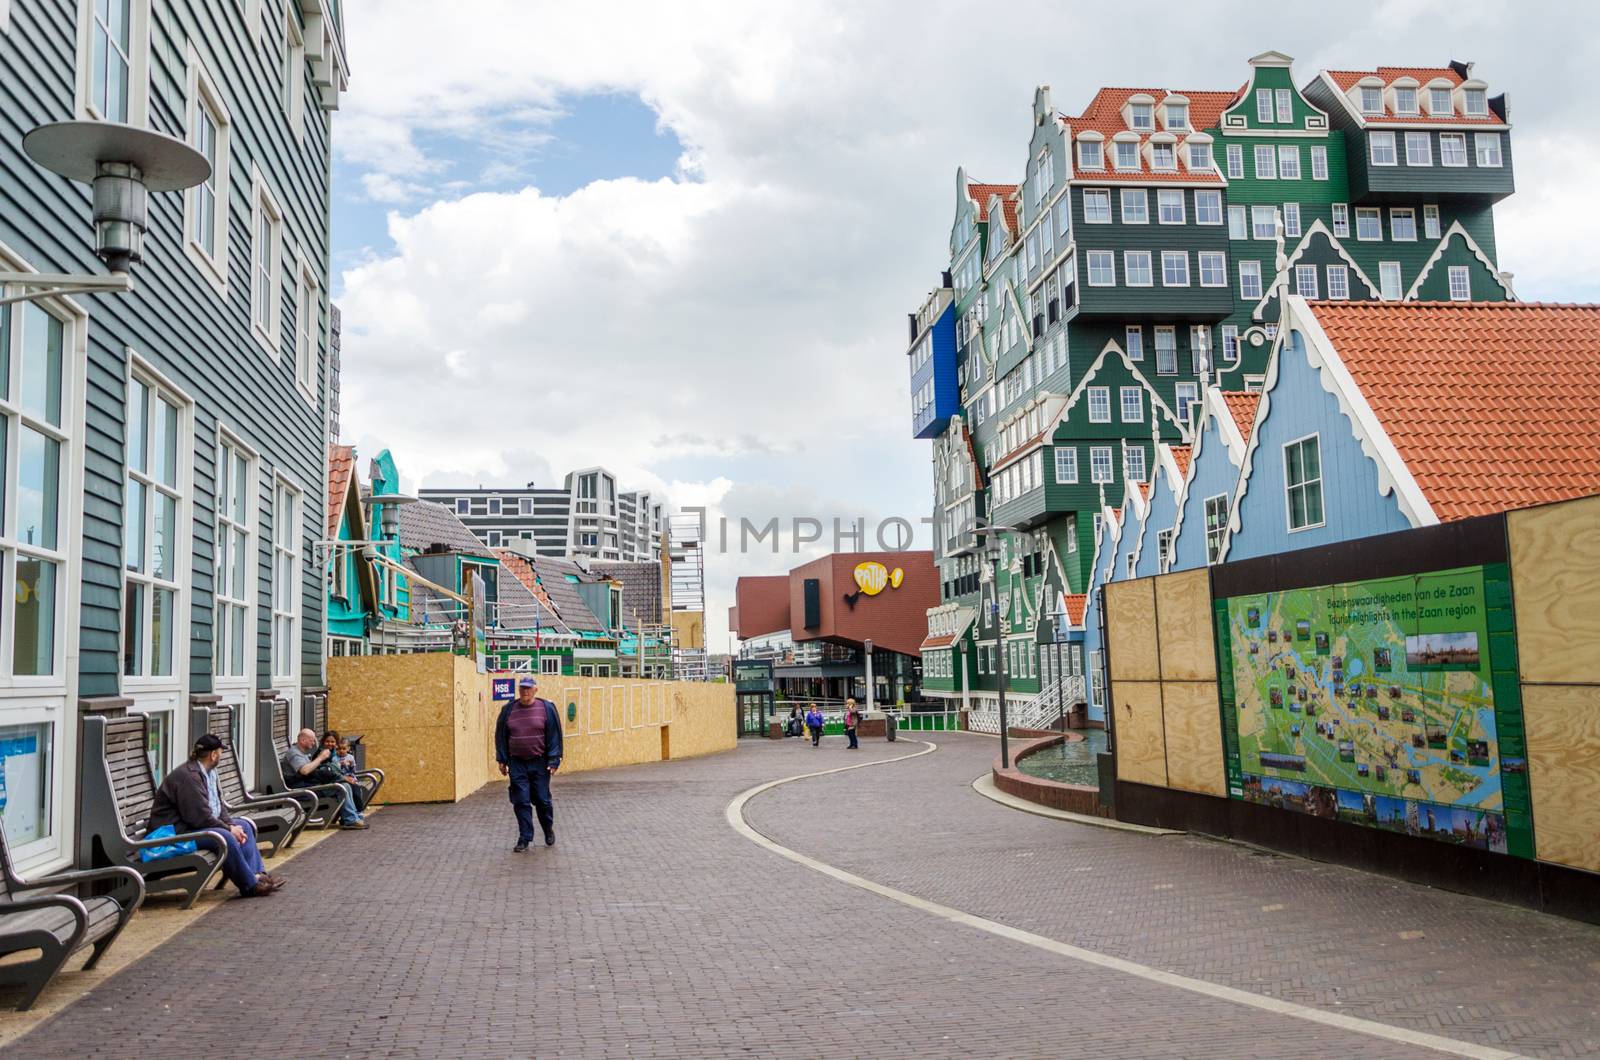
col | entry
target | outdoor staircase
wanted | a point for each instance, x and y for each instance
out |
(1039, 711)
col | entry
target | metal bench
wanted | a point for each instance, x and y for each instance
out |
(314, 709)
(119, 790)
(272, 743)
(278, 819)
(56, 922)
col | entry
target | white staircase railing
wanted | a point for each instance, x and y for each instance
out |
(1037, 711)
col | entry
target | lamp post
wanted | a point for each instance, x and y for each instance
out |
(123, 164)
(1058, 617)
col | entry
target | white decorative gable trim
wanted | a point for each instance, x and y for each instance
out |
(1455, 229)
(1281, 282)
(1111, 347)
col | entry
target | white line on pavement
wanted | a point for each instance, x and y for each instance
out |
(1439, 1043)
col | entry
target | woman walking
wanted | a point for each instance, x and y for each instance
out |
(852, 718)
(814, 724)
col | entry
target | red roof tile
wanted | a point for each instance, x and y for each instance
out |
(981, 193)
(1492, 405)
(943, 640)
(1347, 79)
(1180, 456)
(1077, 604)
(341, 465)
(1242, 404)
(1104, 115)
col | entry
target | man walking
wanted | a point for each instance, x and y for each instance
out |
(527, 744)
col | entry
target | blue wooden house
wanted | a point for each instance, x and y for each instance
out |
(1107, 533)
(1206, 497)
(1154, 550)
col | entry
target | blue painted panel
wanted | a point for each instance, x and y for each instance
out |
(941, 369)
(1163, 513)
(1214, 473)
(1298, 406)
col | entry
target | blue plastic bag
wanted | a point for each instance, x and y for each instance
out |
(170, 850)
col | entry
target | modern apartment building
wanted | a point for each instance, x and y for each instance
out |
(1137, 261)
(586, 516)
(165, 479)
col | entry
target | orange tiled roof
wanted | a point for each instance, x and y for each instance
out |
(341, 465)
(1104, 115)
(1492, 405)
(1077, 604)
(523, 572)
(943, 640)
(1242, 404)
(1180, 456)
(981, 193)
(1346, 80)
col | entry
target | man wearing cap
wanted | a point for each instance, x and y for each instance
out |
(527, 744)
(190, 801)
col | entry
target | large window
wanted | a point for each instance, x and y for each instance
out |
(1127, 152)
(1305, 281)
(1266, 162)
(1100, 464)
(1419, 149)
(1403, 223)
(1250, 280)
(206, 204)
(1389, 281)
(1289, 163)
(1381, 148)
(1166, 350)
(1369, 223)
(1175, 268)
(1102, 268)
(1132, 404)
(1238, 223)
(1136, 268)
(1099, 404)
(1213, 268)
(306, 313)
(1135, 206)
(1207, 207)
(233, 653)
(286, 535)
(35, 383)
(29, 809)
(1169, 206)
(1453, 149)
(266, 257)
(1263, 222)
(152, 529)
(111, 77)
(1216, 525)
(1066, 466)
(1338, 282)
(1488, 147)
(1302, 477)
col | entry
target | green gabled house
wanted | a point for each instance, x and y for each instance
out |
(168, 481)
(1135, 262)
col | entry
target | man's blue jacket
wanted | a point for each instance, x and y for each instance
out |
(552, 735)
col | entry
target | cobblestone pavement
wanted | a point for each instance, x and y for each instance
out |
(654, 929)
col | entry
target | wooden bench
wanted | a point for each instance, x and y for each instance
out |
(273, 738)
(278, 819)
(315, 711)
(119, 790)
(47, 915)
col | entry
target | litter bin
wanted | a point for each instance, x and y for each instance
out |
(891, 722)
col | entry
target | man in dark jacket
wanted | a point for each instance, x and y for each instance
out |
(190, 801)
(527, 744)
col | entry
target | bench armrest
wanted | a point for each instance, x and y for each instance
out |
(79, 912)
(206, 836)
(258, 802)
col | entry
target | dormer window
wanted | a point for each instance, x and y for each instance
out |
(1477, 102)
(1371, 99)
(1177, 115)
(1142, 116)
(1439, 103)
(1405, 101)
(1091, 155)
(1199, 157)
(1127, 154)
(1163, 156)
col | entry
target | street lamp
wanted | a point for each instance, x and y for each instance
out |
(1058, 619)
(991, 550)
(123, 164)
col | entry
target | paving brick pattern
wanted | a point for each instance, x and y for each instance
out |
(655, 930)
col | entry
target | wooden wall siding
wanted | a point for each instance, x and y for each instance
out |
(1140, 731)
(1555, 570)
(1131, 628)
(1436, 286)
(175, 319)
(1213, 473)
(1563, 731)
(1202, 303)
(1183, 616)
(1163, 513)
(1353, 507)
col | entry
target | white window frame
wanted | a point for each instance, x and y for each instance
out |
(1235, 161)
(1098, 195)
(1285, 106)
(294, 73)
(1307, 485)
(1377, 138)
(1140, 215)
(1167, 164)
(1341, 220)
(264, 208)
(1125, 155)
(1434, 109)
(1319, 162)
(1306, 281)
(288, 600)
(1215, 534)
(1373, 214)
(1461, 292)
(1406, 214)
(1288, 154)
(1265, 112)
(1470, 98)
(1091, 154)
(1291, 219)
(1238, 222)
(1129, 259)
(1099, 398)
(1129, 449)
(1385, 270)
(1200, 158)
(1340, 291)
(1430, 221)
(1218, 268)
(1187, 398)
(1096, 452)
(1066, 465)
(1266, 162)
(1230, 343)
(1479, 141)
(1422, 156)
(307, 316)
(181, 491)
(229, 607)
(1166, 352)
(1169, 259)
(1146, 111)
(1165, 197)
(204, 98)
(1400, 108)
(1110, 259)
(1367, 93)
(1250, 287)
(1215, 199)
(1131, 411)
(1133, 341)
(1453, 139)
(138, 65)
(1269, 214)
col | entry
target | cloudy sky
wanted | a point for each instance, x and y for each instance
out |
(680, 240)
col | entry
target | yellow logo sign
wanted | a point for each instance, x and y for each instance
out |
(871, 579)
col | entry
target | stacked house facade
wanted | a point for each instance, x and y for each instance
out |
(1063, 369)
(165, 470)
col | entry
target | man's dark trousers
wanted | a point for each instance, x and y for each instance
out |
(243, 861)
(530, 790)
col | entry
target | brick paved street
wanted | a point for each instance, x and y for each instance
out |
(654, 929)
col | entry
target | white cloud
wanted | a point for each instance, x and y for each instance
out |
(737, 333)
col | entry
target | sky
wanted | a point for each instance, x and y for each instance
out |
(680, 240)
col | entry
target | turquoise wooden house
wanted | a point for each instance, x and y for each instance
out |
(352, 589)
(168, 474)
(383, 524)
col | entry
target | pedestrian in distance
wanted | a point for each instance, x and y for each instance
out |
(527, 744)
(852, 718)
(814, 724)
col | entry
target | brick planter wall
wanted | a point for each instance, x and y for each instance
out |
(1073, 798)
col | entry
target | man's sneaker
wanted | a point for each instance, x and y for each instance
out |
(353, 826)
(522, 845)
(549, 839)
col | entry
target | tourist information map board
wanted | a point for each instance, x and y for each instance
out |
(1391, 703)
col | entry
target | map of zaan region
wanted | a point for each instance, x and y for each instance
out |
(1371, 702)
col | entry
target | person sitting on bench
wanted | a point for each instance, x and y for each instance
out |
(306, 767)
(190, 801)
